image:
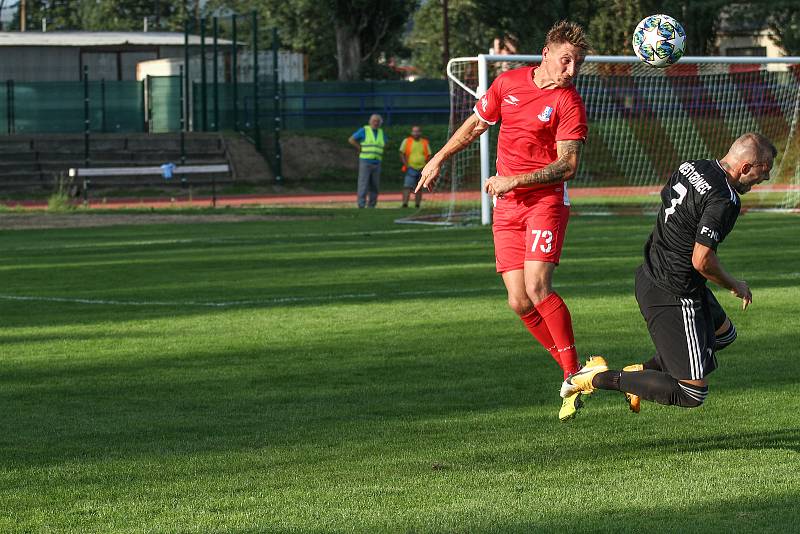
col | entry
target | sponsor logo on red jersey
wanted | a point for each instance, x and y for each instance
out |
(544, 116)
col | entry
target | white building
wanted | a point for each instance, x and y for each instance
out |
(61, 55)
(740, 37)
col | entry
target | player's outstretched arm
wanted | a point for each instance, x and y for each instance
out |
(706, 262)
(472, 128)
(564, 168)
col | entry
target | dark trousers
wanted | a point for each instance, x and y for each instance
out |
(369, 179)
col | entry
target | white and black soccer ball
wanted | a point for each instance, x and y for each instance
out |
(659, 41)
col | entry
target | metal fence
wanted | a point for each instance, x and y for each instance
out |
(153, 105)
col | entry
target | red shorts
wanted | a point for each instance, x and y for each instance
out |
(529, 227)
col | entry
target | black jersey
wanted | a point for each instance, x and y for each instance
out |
(697, 205)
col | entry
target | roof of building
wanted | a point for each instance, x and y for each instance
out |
(77, 38)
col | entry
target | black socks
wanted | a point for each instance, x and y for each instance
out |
(652, 385)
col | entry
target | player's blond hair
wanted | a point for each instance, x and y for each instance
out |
(565, 31)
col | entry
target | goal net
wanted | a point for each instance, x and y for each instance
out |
(643, 122)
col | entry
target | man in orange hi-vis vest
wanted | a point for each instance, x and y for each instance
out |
(414, 153)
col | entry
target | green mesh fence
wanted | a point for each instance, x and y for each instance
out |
(119, 106)
(58, 107)
(5, 115)
(238, 117)
(329, 104)
(322, 104)
(164, 103)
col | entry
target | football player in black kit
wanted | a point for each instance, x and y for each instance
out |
(699, 206)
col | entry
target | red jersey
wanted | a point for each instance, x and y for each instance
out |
(533, 119)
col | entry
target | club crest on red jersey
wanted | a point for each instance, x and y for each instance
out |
(544, 116)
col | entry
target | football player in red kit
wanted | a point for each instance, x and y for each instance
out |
(543, 128)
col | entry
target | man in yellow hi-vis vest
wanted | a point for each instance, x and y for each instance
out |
(414, 153)
(369, 142)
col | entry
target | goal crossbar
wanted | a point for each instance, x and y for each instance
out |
(482, 62)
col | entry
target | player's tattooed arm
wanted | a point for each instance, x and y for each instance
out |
(472, 128)
(562, 169)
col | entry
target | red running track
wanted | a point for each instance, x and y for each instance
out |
(338, 199)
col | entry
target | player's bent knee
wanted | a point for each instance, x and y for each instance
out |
(537, 292)
(725, 338)
(689, 396)
(521, 306)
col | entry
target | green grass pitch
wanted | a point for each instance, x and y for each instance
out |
(331, 371)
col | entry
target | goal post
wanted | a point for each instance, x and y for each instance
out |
(642, 123)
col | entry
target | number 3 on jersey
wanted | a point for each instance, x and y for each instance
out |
(546, 236)
(681, 190)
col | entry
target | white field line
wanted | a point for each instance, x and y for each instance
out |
(266, 301)
(209, 241)
(234, 303)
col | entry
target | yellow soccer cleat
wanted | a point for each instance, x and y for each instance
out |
(570, 407)
(582, 380)
(633, 400)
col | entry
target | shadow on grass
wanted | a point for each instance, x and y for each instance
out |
(770, 513)
(327, 391)
(277, 267)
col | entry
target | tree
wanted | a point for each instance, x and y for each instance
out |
(700, 19)
(107, 15)
(129, 15)
(471, 35)
(477, 23)
(529, 22)
(344, 39)
(612, 27)
(781, 17)
(60, 14)
(364, 29)
(785, 26)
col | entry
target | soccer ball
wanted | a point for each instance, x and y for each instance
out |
(659, 40)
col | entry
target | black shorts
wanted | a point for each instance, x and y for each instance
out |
(718, 315)
(682, 328)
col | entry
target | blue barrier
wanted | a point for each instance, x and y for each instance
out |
(356, 106)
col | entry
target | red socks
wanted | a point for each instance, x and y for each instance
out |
(536, 326)
(558, 321)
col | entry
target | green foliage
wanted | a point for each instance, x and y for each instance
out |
(60, 14)
(128, 15)
(60, 199)
(349, 39)
(701, 22)
(330, 371)
(612, 27)
(781, 17)
(468, 33)
(107, 15)
(303, 26)
(530, 21)
(784, 21)
(366, 33)
(312, 27)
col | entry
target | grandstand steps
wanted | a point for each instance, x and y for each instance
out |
(34, 162)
